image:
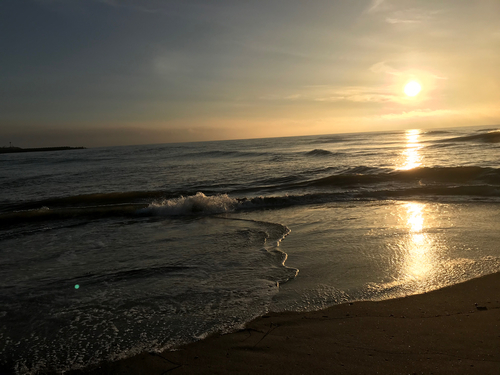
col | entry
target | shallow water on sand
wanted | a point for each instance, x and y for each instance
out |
(380, 250)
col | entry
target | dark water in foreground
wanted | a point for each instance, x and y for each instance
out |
(111, 251)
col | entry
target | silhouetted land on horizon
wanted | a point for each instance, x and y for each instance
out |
(10, 150)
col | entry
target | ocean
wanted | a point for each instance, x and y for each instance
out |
(108, 252)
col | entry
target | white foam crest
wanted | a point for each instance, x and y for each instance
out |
(193, 204)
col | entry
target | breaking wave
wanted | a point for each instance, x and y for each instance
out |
(359, 182)
(195, 204)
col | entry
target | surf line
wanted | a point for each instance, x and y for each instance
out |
(269, 248)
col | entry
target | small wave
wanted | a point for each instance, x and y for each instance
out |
(362, 169)
(279, 182)
(320, 152)
(433, 132)
(330, 139)
(489, 137)
(441, 145)
(486, 130)
(11, 219)
(88, 200)
(367, 176)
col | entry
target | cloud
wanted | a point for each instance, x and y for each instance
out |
(394, 16)
(418, 113)
(409, 16)
(358, 94)
(401, 20)
(382, 67)
(375, 6)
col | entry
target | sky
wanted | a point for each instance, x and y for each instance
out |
(117, 72)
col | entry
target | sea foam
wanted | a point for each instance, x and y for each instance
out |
(194, 204)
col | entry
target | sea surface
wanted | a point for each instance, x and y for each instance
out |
(108, 252)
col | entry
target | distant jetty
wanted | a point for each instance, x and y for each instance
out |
(11, 150)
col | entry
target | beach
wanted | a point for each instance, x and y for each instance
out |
(451, 330)
(255, 187)
(112, 252)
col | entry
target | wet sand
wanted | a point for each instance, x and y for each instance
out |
(455, 330)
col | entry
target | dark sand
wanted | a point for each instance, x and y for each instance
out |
(450, 331)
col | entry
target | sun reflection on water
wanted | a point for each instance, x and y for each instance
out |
(415, 217)
(419, 246)
(411, 154)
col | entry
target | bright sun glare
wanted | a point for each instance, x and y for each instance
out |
(412, 88)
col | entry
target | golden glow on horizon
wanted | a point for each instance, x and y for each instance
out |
(411, 154)
(412, 88)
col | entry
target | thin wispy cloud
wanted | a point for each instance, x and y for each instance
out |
(376, 5)
(383, 67)
(411, 16)
(357, 94)
(418, 113)
(401, 20)
(400, 12)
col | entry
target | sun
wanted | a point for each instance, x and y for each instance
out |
(412, 88)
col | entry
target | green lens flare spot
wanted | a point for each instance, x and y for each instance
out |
(77, 286)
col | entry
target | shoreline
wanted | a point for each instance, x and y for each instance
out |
(451, 330)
